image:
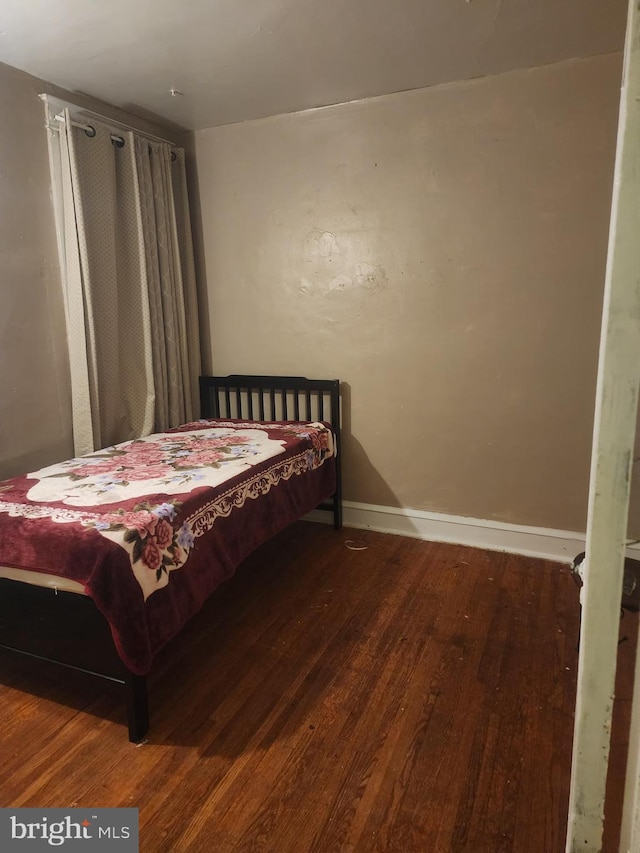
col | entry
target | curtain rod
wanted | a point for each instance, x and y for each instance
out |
(91, 132)
(54, 105)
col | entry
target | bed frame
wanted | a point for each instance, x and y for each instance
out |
(44, 623)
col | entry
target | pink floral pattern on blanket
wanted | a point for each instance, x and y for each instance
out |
(141, 460)
(169, 463)
(149, 531)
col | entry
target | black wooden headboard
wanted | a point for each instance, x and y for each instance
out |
(277, 398)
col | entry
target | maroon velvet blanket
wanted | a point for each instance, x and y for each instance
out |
(151, 527)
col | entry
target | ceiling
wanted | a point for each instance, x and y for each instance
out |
(241, 59)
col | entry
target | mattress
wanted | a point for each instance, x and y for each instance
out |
(41, 579)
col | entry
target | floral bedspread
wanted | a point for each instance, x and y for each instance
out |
(151, 527)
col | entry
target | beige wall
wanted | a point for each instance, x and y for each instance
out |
(35, 419)
(442, 252)
(35, 425)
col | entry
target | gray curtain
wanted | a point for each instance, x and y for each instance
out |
(129, 282)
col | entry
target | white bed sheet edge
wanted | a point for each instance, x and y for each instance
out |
(42, 579)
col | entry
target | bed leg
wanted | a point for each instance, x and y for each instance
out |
(337, 514)
(337, 502)
(137, 707)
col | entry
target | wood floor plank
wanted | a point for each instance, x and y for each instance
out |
(409, 696)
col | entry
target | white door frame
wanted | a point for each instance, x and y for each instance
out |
(611, 465)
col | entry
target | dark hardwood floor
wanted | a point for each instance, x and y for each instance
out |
(404, 697)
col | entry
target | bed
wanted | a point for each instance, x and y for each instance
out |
(105, 558)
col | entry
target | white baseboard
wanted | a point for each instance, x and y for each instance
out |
(546, 543)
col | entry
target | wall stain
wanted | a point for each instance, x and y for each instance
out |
(338, 265)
